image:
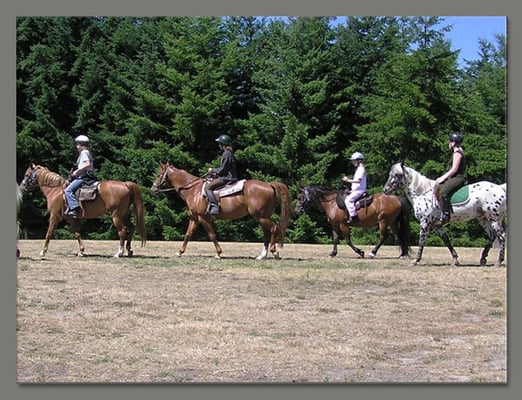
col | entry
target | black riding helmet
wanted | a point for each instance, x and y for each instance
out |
(224, 139)
(456, 137)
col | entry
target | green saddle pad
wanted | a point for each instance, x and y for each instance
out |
(461, 195)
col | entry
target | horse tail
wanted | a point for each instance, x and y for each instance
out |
(403, 226)
(283, 195)
(139, 209)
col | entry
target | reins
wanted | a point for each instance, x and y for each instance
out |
(189, 185)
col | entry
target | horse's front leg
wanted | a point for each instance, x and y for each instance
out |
(346, 231)
(445, 238)
(53, 222)
(209, 228)
(130, 233)
(423, 235)
(335, 240)
(382, 238)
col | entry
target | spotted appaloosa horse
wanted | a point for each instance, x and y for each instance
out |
(487, 203)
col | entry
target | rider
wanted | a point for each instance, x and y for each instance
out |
(225, 173)
(358, 186)
(84, 170)
(454, 178)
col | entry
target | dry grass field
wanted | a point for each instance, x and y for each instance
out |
(157, 318)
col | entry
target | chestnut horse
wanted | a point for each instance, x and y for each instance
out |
(384, 210)
(114, 198)
(257, 199)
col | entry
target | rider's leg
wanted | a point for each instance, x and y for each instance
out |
(71, 198)
(209, 190)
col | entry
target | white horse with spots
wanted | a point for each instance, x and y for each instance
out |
(486, 202)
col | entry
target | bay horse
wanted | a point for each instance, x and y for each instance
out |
(486, 202)
(384, 210)
(257, 199)
(114, 198)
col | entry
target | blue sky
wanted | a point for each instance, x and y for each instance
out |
(467, 30)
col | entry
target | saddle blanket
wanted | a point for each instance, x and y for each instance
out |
(460, 196)
(227, 190)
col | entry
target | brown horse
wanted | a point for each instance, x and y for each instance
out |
(257, 198)
(384, 210)
(114, 198)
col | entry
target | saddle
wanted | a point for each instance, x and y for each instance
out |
(227, 190)
(363, 201)
(458, 198)
(88, 190)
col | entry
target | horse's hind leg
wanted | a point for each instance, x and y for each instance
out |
(496, 230)
(128, 237)
(270, 234)
(335, 240)
(122, 234)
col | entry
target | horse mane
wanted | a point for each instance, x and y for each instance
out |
(419, 182)
(49, 178)
(321, 192)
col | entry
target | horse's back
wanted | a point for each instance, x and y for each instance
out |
(491, 195)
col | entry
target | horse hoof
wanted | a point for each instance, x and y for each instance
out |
(80, 255)
(130, 253)
(414, 263)
(372, 255)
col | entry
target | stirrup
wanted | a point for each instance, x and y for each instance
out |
(213, 209)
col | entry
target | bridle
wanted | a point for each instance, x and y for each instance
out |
(163, 181)
(306, 203)
(29, 182)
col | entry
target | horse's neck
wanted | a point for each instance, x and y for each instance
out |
(185, 184)
(419, 184)
(51, 185)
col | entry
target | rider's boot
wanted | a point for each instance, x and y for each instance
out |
(445, 211)
(213, 208)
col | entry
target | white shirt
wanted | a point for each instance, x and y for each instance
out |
(83, 159)
(360, 174)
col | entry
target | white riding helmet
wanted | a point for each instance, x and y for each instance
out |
(357, 156)
(81, 139)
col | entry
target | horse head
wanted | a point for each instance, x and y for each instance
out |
(396, 178)
(30, 179)
(305, 200)
(161, 183)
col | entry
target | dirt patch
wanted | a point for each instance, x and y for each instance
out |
(304, 318)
